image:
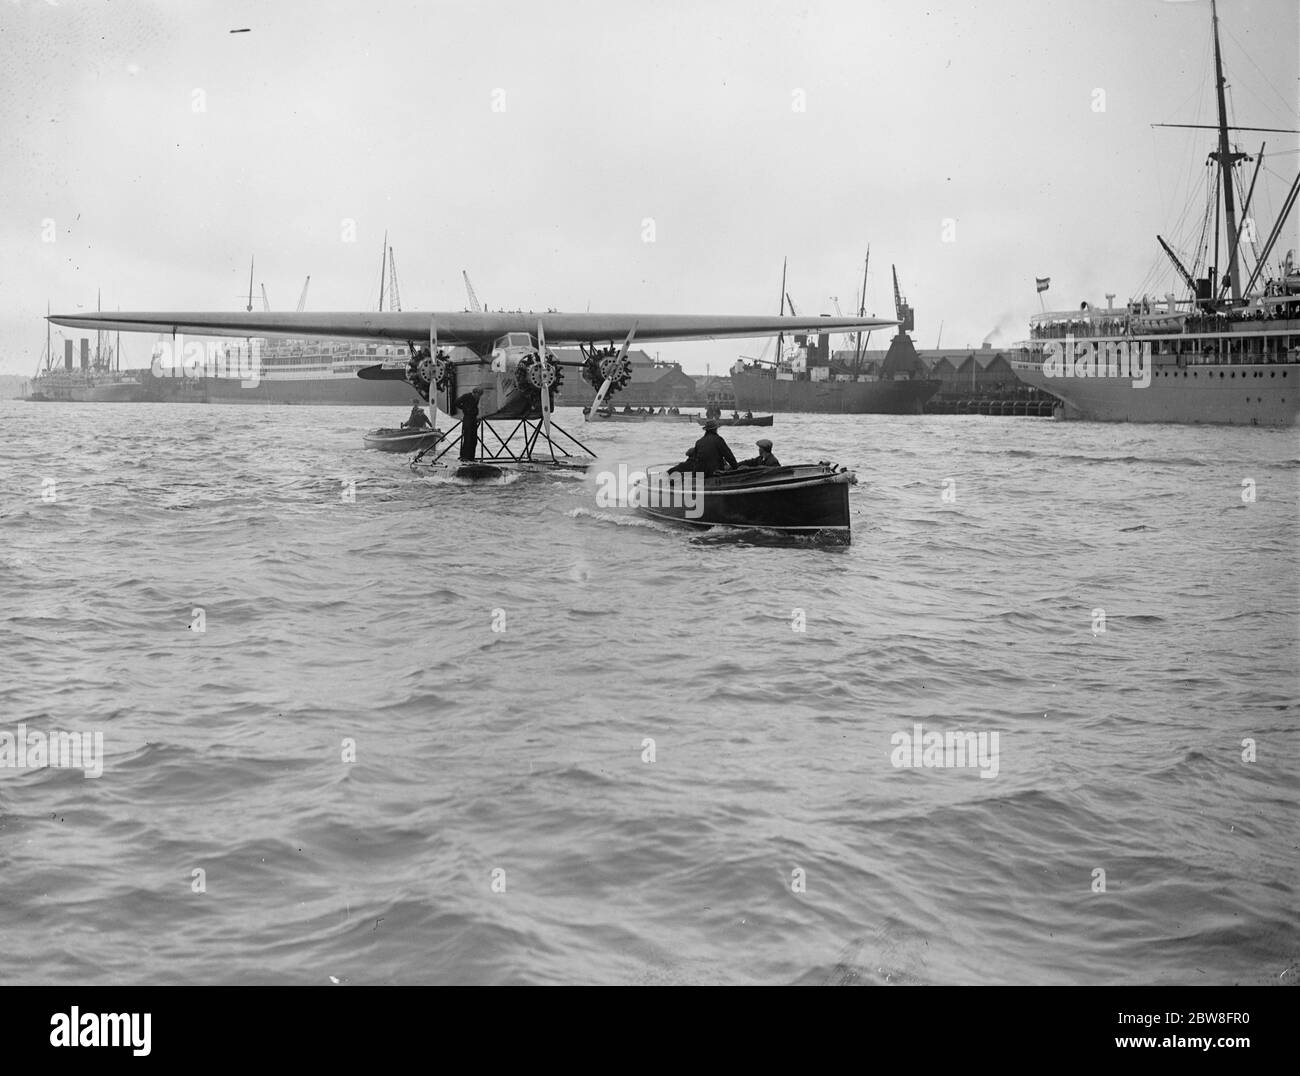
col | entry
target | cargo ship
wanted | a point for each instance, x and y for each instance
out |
(806, 378)
(1227, 352)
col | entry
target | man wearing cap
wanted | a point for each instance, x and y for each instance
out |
(764, 457)
(468, 407)
(711, 453)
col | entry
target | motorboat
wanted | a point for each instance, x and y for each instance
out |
(402, 440)
(804, 499)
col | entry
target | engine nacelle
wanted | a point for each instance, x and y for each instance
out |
(607, 365)
(512, 377)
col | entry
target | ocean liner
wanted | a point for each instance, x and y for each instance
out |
(1228, 352)
(97, 379)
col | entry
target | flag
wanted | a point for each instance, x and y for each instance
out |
(1042, 282)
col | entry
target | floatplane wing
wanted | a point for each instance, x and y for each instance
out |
(466, 329)
(479, 367)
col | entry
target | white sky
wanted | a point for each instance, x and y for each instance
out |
(917, 111)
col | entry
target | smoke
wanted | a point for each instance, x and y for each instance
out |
(1005, 322)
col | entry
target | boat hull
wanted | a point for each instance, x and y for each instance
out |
(618, 416)
(804, 499)
(755, 392)
(402, 440)
(1262, 394)
(758, 420)
(341, 389)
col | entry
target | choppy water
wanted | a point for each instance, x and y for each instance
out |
(519, 754)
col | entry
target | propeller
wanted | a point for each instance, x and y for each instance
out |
(546, 385)
(432, 409)
(622, 354)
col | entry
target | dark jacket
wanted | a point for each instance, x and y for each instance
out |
(467, 405)
(710, 452)
(418, 420)
(687, 466)
(763, 459)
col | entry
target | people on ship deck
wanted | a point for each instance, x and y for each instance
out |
(764, 457)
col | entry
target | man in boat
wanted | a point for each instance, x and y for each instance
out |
(468, 407)
(764, 457)
(686, 466)
(417, 420)
(711, 453)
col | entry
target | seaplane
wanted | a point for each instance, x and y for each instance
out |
(501, 359)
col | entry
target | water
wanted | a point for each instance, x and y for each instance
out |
(771, 839)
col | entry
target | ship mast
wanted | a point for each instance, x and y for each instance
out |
(862, 309)
(780, 339)
(1225, 158)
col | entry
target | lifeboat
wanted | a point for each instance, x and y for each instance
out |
(402, 440)
(747, 420)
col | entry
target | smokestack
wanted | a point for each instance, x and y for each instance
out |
(67, 355)
(85, 353)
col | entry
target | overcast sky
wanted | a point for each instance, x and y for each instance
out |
(532, 145)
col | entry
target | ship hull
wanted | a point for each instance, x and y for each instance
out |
(803, 499)
(1266, 394)
(308, 391)
(757, 393)
(101, 390)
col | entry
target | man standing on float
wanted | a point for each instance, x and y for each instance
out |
(467, 405)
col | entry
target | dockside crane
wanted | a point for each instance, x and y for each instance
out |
(902, 309)
(848, 337)
(302, 299)
(474, 304)
(394, 299)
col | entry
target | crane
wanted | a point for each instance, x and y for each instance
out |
(902, 310)
(848, 337)
(266, 303)
(394, 300)
(474, 304)
(302, 299)
(1182, 270)
(383, 272)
